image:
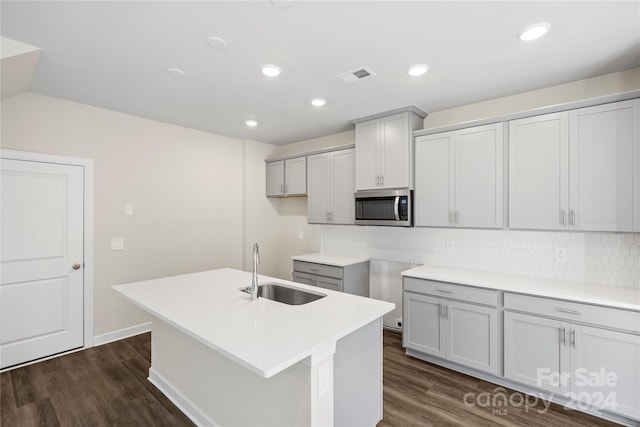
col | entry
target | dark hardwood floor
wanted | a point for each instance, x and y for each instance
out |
(107, 386)
(417, 393)
(100, 386)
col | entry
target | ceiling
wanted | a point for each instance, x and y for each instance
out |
(116, 55)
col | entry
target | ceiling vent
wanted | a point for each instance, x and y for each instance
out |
(356, 75)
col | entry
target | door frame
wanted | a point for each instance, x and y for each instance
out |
(88, 241)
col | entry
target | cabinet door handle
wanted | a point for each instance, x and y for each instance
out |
(572, 218)
(457, 217)
(282, 189)
(563, 336)
(286, 188)
(573, 338)
(440, 312)
(445, 291)
(382, 180)
(446, 311)
(450, 217)
(563, 218)
(568, 311)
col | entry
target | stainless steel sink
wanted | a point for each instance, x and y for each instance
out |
(285, 294)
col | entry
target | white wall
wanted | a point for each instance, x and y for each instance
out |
(337, 141)
(607, 84)
(185, 187)
(273, 223)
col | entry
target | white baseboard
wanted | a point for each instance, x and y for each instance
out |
(180, 400)
(121, 334)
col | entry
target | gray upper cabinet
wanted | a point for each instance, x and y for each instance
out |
(576, 170)
(460, 178)
(331, 187)
(287, 177)
(384, 148)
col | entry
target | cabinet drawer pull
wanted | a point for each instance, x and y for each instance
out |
(568, 311)
(315, 270)
(445, 291)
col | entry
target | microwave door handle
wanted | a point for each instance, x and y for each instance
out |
(395, 208)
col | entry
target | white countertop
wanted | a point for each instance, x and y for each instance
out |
(602, 295)
(329, 259)
(264, 336)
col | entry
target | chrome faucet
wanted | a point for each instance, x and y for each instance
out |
(254, 277)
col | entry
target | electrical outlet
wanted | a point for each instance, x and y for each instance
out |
(300, 235)
(128, 210)
(561, 254)
(324, 382)
(399, 323)
(117, 243)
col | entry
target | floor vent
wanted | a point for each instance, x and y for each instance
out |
(356, 75)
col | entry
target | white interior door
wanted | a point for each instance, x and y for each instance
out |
(41, 282)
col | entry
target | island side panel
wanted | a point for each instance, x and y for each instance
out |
(358, 377)
(225, 392)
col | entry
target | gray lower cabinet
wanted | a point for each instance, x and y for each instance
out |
(587, 353)
(442, 320)
(352, 279)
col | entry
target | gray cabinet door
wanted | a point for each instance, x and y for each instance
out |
(423, 324)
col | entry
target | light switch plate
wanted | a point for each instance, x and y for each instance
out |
(117, 243)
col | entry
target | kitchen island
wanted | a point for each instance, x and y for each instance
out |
(226, 360)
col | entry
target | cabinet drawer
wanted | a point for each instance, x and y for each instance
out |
(321, 282)
(574, 312)
(453, 291)
(318, 269)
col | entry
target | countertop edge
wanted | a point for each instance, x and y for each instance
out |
(495, 281)
(330, 259)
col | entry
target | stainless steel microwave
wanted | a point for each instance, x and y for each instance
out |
(392, 207)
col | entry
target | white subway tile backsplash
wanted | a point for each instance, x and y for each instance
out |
(609, 259)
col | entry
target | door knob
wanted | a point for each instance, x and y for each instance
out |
(76, 266)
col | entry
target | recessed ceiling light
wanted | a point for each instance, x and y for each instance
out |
(318, 102)
(418, 70)
(271, 70)
(217, 42)
(534, 31)
(176, 72)
(251, 123)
